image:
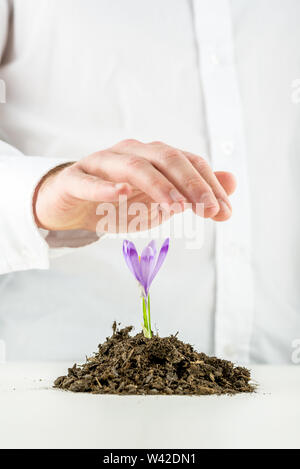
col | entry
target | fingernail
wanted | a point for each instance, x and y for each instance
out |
(208, 200)
(121, 186)
(176, 196)
(224, 206)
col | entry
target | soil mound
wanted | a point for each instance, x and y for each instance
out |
(126, 364)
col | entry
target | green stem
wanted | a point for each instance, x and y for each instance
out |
(147, 319)
(145, 315)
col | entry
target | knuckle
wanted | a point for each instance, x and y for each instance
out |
(89, 157)
(199, 162)
(135, 162)
(153, 181)
(88, 161)
(169, 155)
(157, 143)
(128, 142)
(192, 184)
(99, 154)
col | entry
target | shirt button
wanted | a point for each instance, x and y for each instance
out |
(227, 147)
(229, 351)
(232, 249)
(214, 58)
(25, 252)
(236, 251)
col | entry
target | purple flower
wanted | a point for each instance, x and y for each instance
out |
(145, 268)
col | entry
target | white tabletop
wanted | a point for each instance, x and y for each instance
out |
(33, 415)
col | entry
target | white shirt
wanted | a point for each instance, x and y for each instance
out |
(216, 77)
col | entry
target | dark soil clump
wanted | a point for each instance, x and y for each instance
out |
(136, 365)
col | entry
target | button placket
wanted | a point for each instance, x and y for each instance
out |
(225, 120)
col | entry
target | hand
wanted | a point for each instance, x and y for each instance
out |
(68, 197)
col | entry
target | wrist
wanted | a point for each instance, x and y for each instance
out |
(45, 180)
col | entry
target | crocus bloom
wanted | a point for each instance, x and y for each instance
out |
(145, 269)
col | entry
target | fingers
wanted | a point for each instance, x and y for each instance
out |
(92, 188)
(176, 168)
(136, 171)
(227, 180)
(205, 170)
(163, 173)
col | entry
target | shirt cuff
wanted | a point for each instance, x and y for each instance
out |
(22, 246)
(63, 242)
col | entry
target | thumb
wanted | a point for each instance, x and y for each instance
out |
(89, 187)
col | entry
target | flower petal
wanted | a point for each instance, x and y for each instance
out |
(132, 259)
(126, 255)
(161, 257)
(147, 264)
(152, 245)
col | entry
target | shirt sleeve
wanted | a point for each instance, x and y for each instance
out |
(4, 20)
(22, 244)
